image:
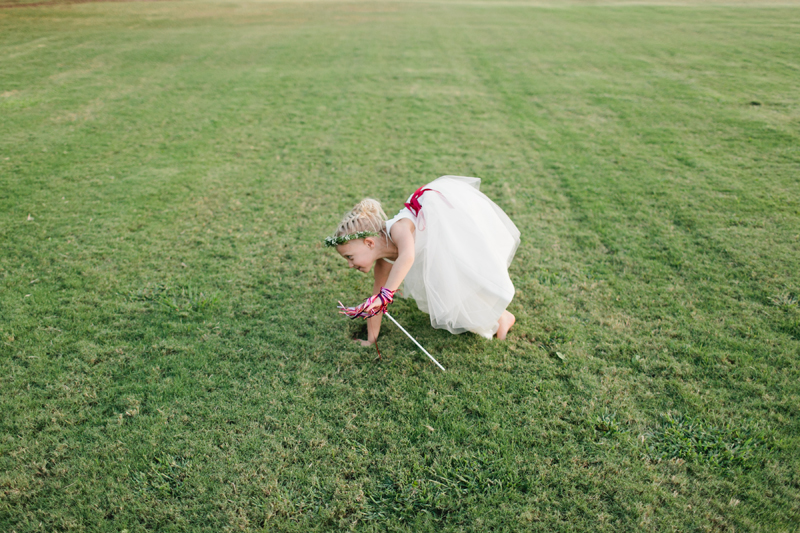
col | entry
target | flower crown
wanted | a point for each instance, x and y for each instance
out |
(338, 241)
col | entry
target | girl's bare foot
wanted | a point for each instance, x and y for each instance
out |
(504, 324)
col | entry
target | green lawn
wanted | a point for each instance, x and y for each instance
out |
(171, 358)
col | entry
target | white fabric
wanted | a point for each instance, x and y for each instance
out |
(463, 246)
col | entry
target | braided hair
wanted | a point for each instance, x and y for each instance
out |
(367, 215)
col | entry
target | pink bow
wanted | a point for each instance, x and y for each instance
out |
(415, 207)
(413, 204)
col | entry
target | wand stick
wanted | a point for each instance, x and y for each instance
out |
(413, 339)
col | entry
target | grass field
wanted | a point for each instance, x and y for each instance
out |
(170, 354)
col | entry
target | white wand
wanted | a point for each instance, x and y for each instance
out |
(413, 339)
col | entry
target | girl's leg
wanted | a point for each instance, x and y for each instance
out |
(504, 324)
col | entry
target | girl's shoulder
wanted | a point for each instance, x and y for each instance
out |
(402, 234)
(405, 225)
(404, 214)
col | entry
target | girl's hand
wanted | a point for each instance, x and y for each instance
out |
(376, 304)
(371, 306)
(364, 344)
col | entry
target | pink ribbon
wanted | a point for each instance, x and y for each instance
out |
(415, 207)
(385, 296)
(413, 204)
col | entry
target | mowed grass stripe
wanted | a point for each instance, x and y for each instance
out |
(594, 195)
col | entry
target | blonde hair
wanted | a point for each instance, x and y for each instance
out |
(367, 215)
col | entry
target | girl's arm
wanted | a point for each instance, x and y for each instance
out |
(391, 276)
(403, 237)
(381, 273)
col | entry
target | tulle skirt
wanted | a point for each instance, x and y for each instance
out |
(464, 244)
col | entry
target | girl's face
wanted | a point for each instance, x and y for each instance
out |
(360, 253)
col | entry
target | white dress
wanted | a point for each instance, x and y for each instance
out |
(463, 245)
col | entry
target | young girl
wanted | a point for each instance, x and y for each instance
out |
(450, 244)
